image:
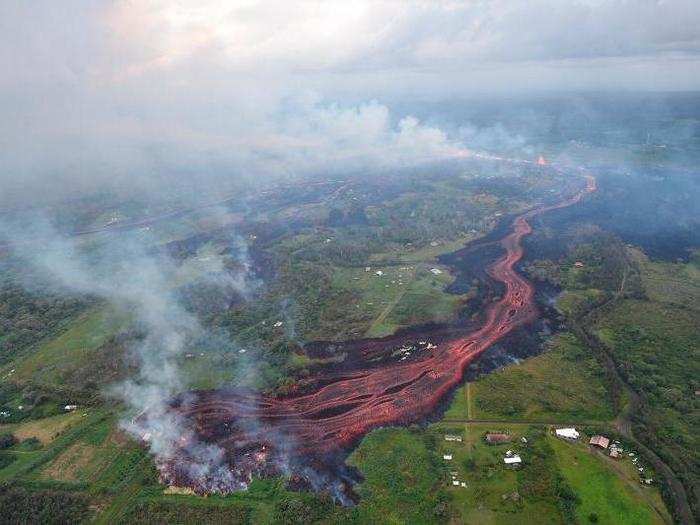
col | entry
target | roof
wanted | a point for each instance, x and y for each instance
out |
(511, 460)
(497, 437)
(600, 441)
(569, 433)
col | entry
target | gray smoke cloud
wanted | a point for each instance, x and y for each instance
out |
(125, 271)
(147, 95)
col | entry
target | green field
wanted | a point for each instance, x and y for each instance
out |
(62, 360)
(605, 496)
(565, 383)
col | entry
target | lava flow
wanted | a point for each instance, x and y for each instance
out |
(334, 409)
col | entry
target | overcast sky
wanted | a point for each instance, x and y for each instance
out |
(147, 90)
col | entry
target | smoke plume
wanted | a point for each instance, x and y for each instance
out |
(127, 273)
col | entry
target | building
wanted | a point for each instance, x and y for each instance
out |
(452, 437)
(512, 460)
(567, 433)
(578, 264)
(493, 438)
(599, 441)
(447, 457)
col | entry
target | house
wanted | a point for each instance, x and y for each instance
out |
(578, 264)
(379, 273)
(614, 453)
(447, 457)
(599, 441)
(567, 433)
(493, 438)
(70, 408)
(512, 460)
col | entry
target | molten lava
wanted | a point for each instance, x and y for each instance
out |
(336, 408)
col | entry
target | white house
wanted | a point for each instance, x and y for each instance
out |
(512, 460)
(567, 433)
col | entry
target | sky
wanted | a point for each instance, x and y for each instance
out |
(146, 92)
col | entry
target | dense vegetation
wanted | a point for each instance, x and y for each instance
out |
(26, 318)
(402, 478)
(19, 505)
(566, 383)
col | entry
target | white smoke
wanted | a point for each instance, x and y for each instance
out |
(137, 280)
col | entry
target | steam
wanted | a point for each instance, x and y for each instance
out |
(123, 271)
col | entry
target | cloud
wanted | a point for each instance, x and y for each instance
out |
(126, 93)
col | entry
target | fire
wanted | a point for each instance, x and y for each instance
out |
(541, 161)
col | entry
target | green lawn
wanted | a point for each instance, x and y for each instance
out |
(602, 492)
(565, 383)
(403, 478)
(54, 360)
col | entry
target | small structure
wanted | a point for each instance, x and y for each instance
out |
(493, 438)
(379, 273)
(614, 453)
(452, 437)
(447, 457)
(368, 268)
(435, 271)
(512, 460)
(599, 441)
(4, 413)
(567, 433)
(277, 324)
(578, 264)
(70, 408)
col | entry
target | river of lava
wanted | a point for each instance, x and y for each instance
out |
(300, 434)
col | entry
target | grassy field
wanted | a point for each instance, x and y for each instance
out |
(605, 495)
(403, 478)
(565, 383)
(55, 360)
(45, 429)
(493, 492)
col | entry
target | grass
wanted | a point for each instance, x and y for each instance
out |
(46, 429)
(565, 383)
(70, 465)
(461, 406)
(571, 302)
(402, 478)
(54, 360)
(29, 462)
(494, 491)
(427, 253)
(402, 296)
(601, 491)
